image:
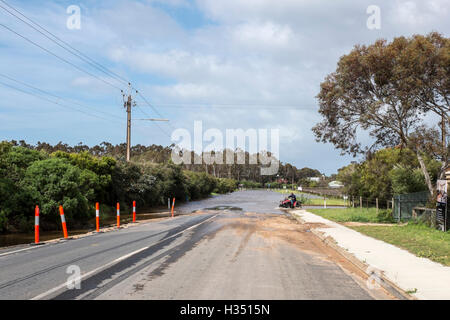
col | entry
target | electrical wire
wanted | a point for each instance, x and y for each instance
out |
(60, 58)
(58, 41)
(51, 101)
(55, 96)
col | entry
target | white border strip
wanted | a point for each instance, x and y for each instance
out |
(49, 292)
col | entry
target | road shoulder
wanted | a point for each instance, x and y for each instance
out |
(397, 270)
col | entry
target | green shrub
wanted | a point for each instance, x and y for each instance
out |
(385, 216)
(199, 185)
(225, 185)
(79, 180)
(251, 184)
(55, 182)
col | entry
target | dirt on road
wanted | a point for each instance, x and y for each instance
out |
(252, 256)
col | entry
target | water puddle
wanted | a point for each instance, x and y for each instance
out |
(220, 208)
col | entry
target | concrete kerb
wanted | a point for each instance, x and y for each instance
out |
(386, 283)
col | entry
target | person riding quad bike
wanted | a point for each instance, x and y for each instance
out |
(293, 199)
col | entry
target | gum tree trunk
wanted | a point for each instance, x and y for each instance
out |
(425, 173)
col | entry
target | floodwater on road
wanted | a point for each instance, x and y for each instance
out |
(257, 201)
(260, 201)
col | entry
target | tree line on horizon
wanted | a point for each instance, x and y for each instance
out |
(287, 173)
(77, 177)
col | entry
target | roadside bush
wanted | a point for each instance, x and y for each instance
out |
(385, 216)
(273, 185)
(103, 169)
(55, 182)
(199, 185)
(304, 199)
(79, 180)
(405, 180)
(251, 184)
(225, 185)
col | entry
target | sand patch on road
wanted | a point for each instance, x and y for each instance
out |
(277, 230)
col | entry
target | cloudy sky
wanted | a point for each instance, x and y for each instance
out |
(229, 63)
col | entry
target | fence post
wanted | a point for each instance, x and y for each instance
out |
(377, 204)
(168, 203)
(392, 205)
(360, 203)
(353, 201)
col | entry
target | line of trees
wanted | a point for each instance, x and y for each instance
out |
(245, 173)
(399, 93)
(385, 173)
(79, 176)
(32, 176)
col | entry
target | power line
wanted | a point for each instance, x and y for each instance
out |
(79, 55)
(73, 65)
(72, 50)
(55, 96)
(34, 25)
(60, 58)
(154, 109)
(162, 130)
(51, 101)
(235, 106)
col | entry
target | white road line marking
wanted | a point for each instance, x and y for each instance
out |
(12, 252)
(55, 289)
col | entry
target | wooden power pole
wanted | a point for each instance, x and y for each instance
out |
(128, 104)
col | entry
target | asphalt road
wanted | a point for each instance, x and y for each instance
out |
(220, 253)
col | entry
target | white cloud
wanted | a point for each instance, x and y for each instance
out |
(252, 52)
(263, 34)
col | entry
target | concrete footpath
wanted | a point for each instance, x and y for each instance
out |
(420, 277)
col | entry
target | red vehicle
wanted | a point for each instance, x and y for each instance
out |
(287, 203)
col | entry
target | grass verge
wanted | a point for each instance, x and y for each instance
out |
(352, 215)
(418, 239)
(330, 202)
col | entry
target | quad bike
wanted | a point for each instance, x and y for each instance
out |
(286, 203)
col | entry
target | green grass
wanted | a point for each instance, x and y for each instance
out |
(418, 239)
(349, 214)
(330, 202)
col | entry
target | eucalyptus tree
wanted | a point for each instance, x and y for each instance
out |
(387, 89)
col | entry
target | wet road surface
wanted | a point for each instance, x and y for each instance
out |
(254, 253)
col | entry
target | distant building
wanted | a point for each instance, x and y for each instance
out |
(335, 184)
(314, 179)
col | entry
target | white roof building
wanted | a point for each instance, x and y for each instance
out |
(335, 184)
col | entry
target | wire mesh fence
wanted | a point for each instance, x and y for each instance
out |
(404, 204)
